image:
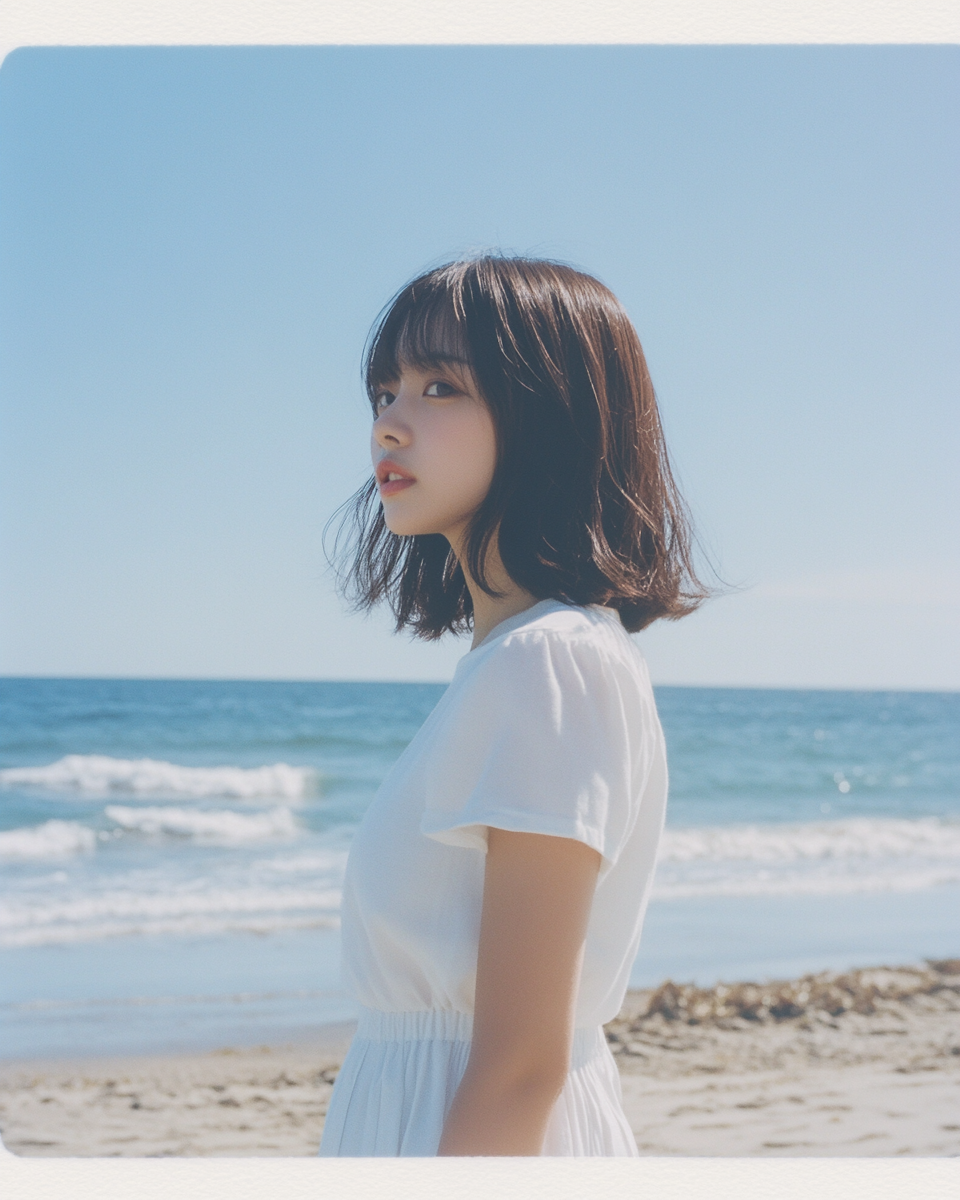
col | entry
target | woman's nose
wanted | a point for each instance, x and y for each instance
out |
(389, 430)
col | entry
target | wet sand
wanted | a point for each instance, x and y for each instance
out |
(866, 1063)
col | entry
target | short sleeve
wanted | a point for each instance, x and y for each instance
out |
(539, 742)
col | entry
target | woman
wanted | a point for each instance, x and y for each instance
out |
(496, 886)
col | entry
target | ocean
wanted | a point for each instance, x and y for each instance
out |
(172, 852)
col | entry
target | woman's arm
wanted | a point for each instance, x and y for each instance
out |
(537, 894)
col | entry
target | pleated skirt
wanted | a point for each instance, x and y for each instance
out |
(402, 1071)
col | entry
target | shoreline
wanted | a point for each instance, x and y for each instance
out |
(863, 1062)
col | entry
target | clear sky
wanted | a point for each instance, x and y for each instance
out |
(194, 243)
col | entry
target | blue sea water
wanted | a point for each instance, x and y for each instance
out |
(172, 852)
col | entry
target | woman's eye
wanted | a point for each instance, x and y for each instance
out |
(440, 388)
(381, 400)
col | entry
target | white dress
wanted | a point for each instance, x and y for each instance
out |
(548, 726)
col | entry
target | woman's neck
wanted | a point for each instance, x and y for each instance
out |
(489, 611)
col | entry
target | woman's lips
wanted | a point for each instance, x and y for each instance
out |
(390, 487)
(392, 479)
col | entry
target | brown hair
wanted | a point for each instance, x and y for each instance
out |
(583, 504)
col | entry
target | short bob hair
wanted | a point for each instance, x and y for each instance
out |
(583, 504)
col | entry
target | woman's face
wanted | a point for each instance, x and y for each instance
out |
(434, 450)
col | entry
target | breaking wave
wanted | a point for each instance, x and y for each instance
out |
(52, 839)
(297, 884)
(99, 775)
(820, 858)
(179, 911)
(223, 827)
(857, 838)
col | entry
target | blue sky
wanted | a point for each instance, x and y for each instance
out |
(194, 242)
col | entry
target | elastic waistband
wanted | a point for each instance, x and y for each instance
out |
(447, 1025)
(438, 1024)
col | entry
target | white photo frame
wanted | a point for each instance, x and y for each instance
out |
(438, 22)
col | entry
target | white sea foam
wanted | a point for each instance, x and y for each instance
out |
(863, 854)
(297, 885)
(855, 838)
(181, 911)
(185, 926)
(764, 883)
(223, 826)
(96, 774)
(327, 862)
(52, 839)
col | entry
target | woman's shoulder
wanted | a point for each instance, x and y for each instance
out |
(553, 633)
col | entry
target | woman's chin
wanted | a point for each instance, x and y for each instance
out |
(407, 528)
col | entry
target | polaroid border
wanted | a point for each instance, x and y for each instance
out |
(478, 22)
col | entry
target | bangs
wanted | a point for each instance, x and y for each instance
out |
(421, 331)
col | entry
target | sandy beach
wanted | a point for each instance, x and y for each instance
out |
(864, 1063)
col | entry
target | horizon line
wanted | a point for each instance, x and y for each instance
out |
(729, 687)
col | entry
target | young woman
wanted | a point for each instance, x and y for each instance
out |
(496, 886)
